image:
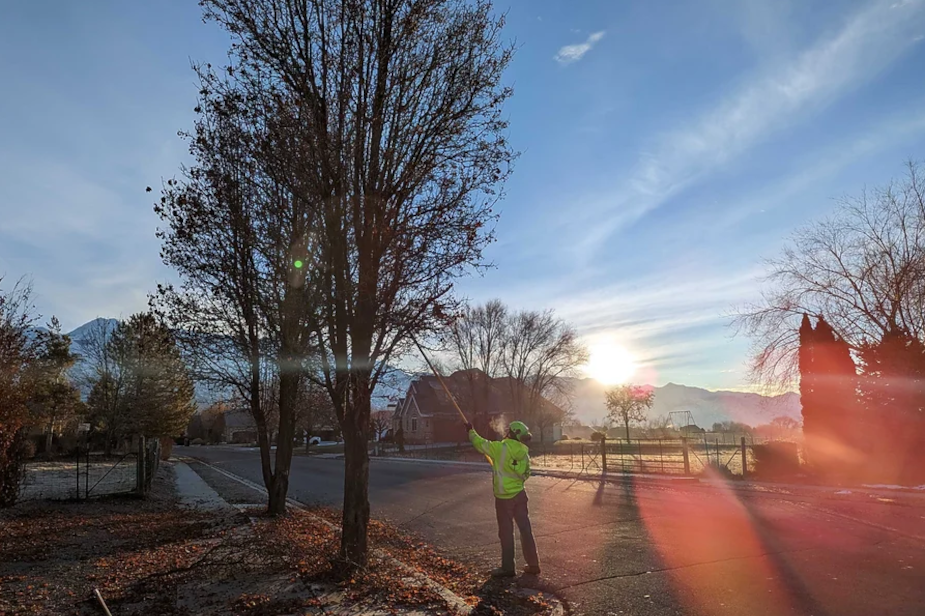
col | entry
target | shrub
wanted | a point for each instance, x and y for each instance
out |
(564, 437)
(67, 444)
(28, 449)
(197, 441)
(713, 468)
(12, 465)
(776, 459)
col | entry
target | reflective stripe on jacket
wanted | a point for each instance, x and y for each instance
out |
(510, 463)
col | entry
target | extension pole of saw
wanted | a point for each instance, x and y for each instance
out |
(442, 382)
(447, 390)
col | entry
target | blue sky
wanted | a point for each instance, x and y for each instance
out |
(667, 147)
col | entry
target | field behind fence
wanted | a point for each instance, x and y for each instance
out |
(691, 456)
(84, 474)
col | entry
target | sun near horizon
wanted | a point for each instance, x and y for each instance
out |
(610, 363)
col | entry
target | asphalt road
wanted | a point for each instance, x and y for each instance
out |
(651, 548)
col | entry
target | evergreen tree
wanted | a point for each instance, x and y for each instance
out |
(807, 375)
(828, 391)
(55, 399)
(894, 371)
(158, 397)
(893, 406)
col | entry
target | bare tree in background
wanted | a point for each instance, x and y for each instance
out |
(540, 354)
(231, 228)
(628, 404)
(101, 373)
(394, 144)
(381, 422)
(534, 353)
(863, 268)
(476, 343)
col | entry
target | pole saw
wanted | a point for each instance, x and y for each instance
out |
(443, 385)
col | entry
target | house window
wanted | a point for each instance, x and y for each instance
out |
(414, 424)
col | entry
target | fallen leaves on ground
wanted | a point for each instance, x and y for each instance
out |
(149, 557)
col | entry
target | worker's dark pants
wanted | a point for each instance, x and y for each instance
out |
(510, 510)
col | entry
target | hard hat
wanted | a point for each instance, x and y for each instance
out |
(520, 430)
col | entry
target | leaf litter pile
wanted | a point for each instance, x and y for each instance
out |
(148, 557)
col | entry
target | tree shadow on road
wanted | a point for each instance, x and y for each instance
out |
(800, 591)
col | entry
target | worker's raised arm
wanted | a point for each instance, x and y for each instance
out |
(482, 445)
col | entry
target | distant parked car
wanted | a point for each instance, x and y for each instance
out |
(314, 440)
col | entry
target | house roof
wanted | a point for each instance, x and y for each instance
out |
(473, 390)
(239, 418)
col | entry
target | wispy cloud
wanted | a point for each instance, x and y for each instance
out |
(871, 40)
(573, 53)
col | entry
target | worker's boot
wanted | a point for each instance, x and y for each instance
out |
(531, 570)
(502, 572)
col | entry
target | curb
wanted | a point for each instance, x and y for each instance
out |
(453, 601)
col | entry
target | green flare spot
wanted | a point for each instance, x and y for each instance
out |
(298, 264)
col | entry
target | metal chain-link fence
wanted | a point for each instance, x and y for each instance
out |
(84, 474)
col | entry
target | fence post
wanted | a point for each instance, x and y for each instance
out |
(686, 454)
(140, 467)
(744, 459)
(604, 453)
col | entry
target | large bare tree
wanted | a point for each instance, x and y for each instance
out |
(533, 352)
(475, 341)
(863, 268)
(231, 228)
(392, 140)
(541, 352)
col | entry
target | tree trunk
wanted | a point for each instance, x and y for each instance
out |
(627, 425)
(288, 394)
(107, 448)
(48, 438)
(279, 488)
(353, 548)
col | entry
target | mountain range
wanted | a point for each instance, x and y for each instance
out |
(707, 407)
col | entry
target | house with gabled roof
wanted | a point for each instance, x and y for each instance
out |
(427, 415)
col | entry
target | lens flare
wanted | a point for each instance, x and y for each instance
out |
(298, 264)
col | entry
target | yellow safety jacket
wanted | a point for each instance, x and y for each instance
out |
(510, 463)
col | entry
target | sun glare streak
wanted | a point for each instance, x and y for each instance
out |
(610, 364)
(714, 530)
